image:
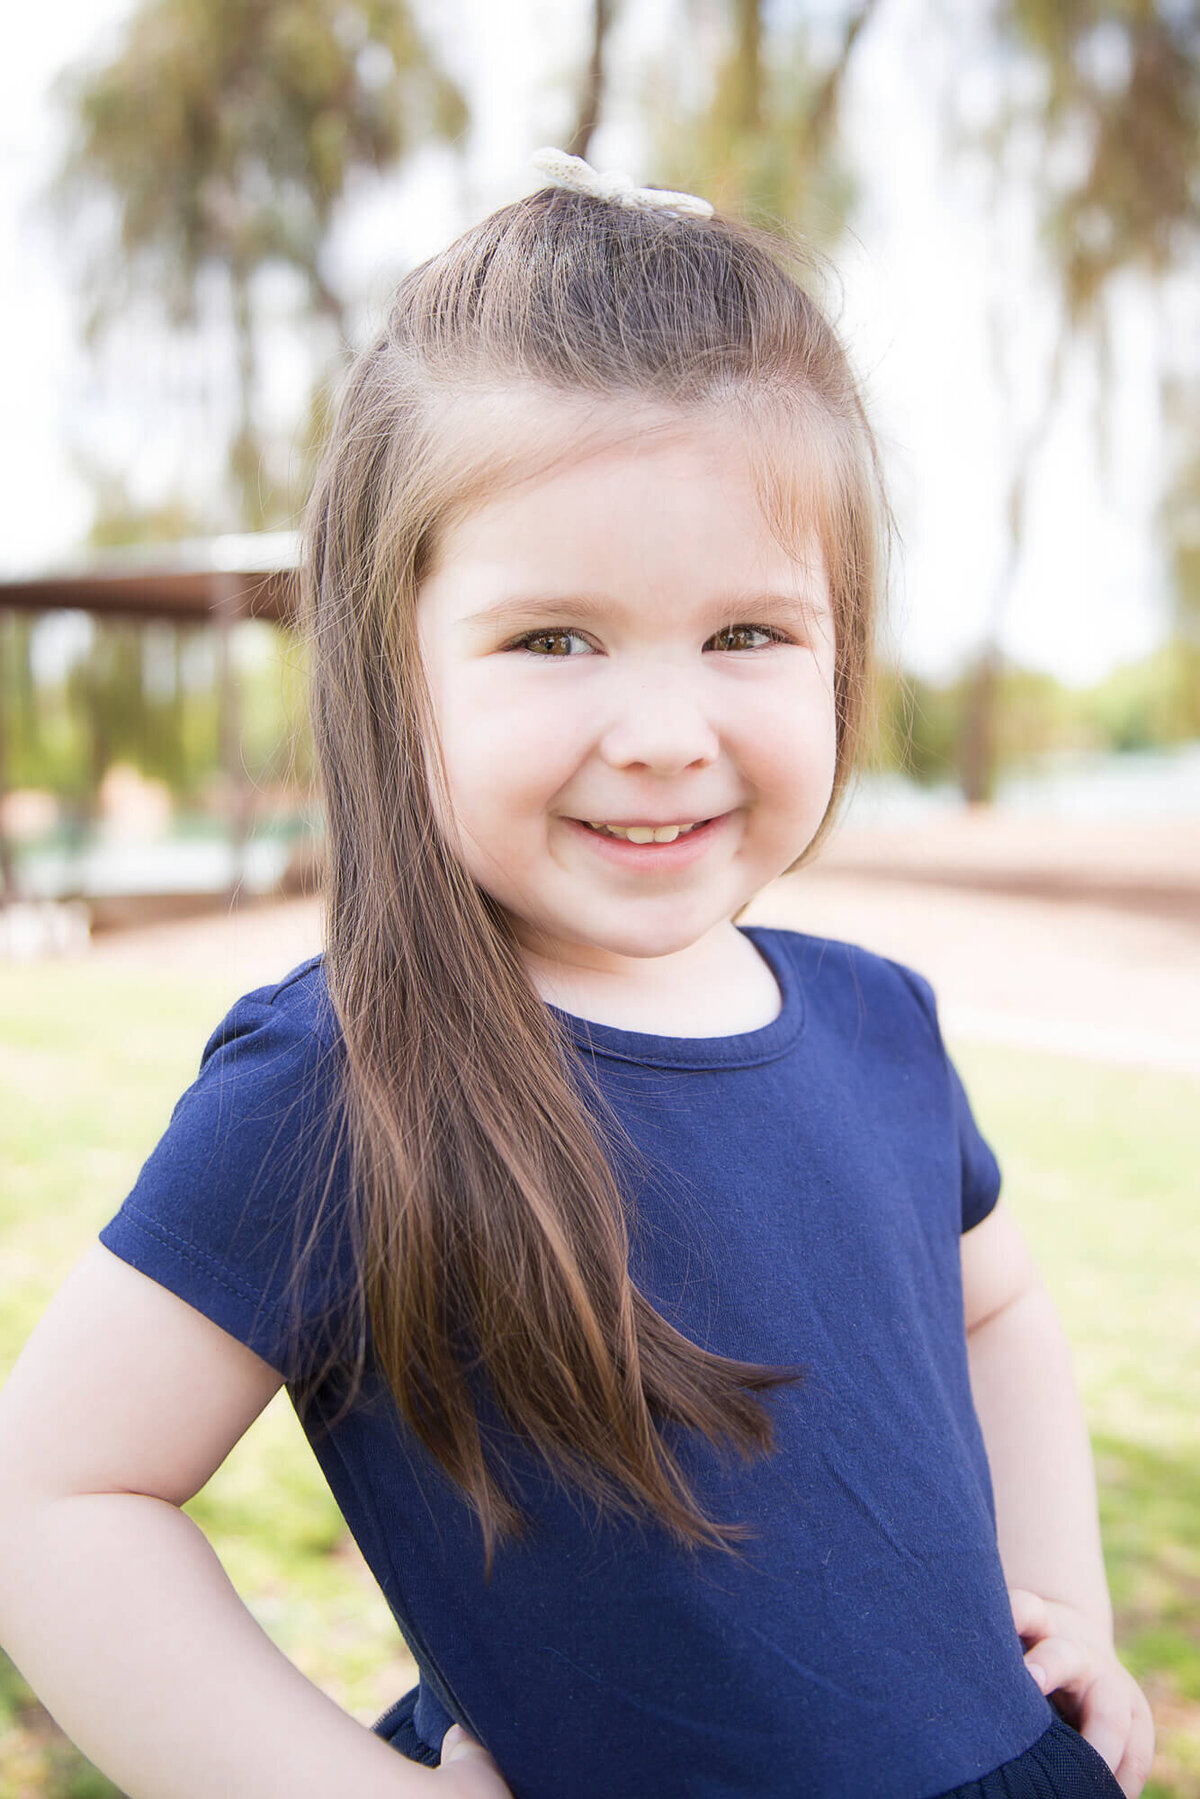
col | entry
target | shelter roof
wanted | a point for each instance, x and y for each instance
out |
(247, 575)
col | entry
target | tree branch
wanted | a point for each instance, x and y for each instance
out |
(593, 87)
(830, 91)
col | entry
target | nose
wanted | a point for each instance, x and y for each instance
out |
(660, 726)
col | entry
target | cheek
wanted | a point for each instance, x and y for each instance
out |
(507, 754)
(795, 739)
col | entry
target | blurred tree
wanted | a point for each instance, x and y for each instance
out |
(22, 712)
(1121, 81)
(763, 136)
(1109, 131)
(8, 779)
(131, 687)
(119, 520)
(1180, 512)
(920, 722)
(224, 134)
(592, 99)
(1151, 704)
(914, 723)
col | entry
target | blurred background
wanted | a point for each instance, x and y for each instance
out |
(203, 207)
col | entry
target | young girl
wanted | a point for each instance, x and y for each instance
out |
(638, 1276)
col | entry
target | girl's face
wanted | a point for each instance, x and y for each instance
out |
(623, 641)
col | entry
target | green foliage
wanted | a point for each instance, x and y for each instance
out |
(91, 1062)
(1100, 108)
(35, 1758)
(119, 521)
(1121, 84)
(1146, 705)
(226, 133)
(1121, 92)
(1179, 514)
(917, 726)
(275, 744)
(762, 137)
(145, 694)
(219, 141)
(1097, 1166)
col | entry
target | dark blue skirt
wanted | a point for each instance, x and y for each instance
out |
(1060, 1765)
(397, 1728)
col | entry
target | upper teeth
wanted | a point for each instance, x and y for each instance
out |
(648, 833)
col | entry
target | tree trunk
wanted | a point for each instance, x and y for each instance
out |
(829, 94)
(226, 612)
(331, 306)
(977, 731)
(746, 74)
(8, 871)
(593, 87)
(246, 452)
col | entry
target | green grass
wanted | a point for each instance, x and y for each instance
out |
(1100, 1168)
(91, 1063)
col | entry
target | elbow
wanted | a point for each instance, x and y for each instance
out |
(1029, 1315)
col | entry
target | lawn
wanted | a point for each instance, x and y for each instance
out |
(1100, 1167)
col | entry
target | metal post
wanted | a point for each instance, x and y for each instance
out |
(8, 868)
(227, 609)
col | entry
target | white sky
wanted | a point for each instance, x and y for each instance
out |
(929, 266)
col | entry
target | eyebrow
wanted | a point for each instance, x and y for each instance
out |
(592, 608)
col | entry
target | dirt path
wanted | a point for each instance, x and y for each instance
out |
(1083, 979)
(1081, 937)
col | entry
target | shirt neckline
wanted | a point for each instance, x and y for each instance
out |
(744, 1049)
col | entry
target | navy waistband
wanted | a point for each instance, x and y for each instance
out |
(1060, 1765)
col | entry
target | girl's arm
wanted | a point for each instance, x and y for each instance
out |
(1047, 1519)
(112, 1603)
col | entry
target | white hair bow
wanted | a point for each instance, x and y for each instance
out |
(575, 173)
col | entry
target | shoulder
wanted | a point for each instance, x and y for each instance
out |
(295, 1013)
(876, 1020)
(843, 981)
(263, 1110)
(268, 1081)
(252, 1158)
(272, 1043)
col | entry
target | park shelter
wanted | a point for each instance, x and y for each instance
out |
(216, 580)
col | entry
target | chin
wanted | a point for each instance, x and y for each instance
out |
(662, 938)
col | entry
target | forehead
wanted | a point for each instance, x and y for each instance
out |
(540, 471)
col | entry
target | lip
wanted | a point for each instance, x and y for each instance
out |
(651, 856)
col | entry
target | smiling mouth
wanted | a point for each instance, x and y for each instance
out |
(645, 833)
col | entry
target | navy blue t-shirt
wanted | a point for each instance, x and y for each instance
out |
(800, 1194)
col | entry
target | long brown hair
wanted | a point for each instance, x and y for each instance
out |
(493, 1232)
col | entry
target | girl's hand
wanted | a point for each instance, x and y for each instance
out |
(467, 1770)
(1071, 1659)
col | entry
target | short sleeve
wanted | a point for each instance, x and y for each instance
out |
(981, 1177)
(248, 1167)
(980, 1169)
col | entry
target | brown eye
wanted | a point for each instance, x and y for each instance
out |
(534, 639)
(742, 631)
